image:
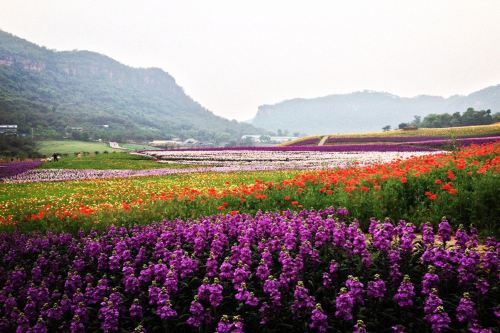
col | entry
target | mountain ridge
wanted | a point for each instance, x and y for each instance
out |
(54, 91)
(365, 110)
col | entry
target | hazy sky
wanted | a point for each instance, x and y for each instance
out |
(232, 56)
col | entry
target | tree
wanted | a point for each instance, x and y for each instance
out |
(468, 118)
(496, 117)
(417, 120)
(265, 138)
(386, 128)
(248, 141)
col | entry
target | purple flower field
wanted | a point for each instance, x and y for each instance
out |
(461, 141)
(337, 148)
(423, 142)
(52, 175)
(383, 139)
(15, 168)
(311, 141)
(272, 272)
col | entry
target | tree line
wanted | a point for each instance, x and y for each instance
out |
(470, 117)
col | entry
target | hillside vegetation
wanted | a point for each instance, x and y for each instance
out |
(84, 95)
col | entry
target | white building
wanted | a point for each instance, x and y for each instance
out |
(8, 129)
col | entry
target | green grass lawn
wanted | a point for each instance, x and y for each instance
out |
(115, 160)
(50, 147)
(135, 146)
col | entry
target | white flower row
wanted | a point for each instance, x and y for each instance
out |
(222, 161)
(290, 159)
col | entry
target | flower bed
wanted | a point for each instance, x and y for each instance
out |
(334, 148)
(463, 185)
(309, 159)
(391, 139)
(462, 141)
(270, 272)
(213, 161)
(15, 168)
(413, 139)
(308, 141)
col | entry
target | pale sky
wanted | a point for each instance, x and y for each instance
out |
(232, 55)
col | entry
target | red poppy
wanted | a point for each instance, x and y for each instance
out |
(446, 186)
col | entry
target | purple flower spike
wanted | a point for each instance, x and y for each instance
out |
(444, 230)
(376, 288)
(344, 304)
(404, 296)
(466, 310)
(319, 320)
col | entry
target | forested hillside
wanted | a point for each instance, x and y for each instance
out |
(82, 94)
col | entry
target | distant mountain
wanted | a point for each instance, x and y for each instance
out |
(80, 92)
(365, 110)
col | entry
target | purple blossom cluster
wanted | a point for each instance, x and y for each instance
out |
(283, 271)
(386, 139)
(49, 175)
(15, 168)
(431, 141)
(308, 142)
(461, 141)
(55, 175)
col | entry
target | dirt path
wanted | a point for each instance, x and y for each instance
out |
(323, 140)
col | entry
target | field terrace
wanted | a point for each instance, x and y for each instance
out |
(448, 135)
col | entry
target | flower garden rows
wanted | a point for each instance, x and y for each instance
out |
(272, 272)
(279, 159)
(462, 186)
(213, 161)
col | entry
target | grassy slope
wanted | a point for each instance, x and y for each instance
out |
(118, 160)
(134, 146)
(71, 146)
(481, 130)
